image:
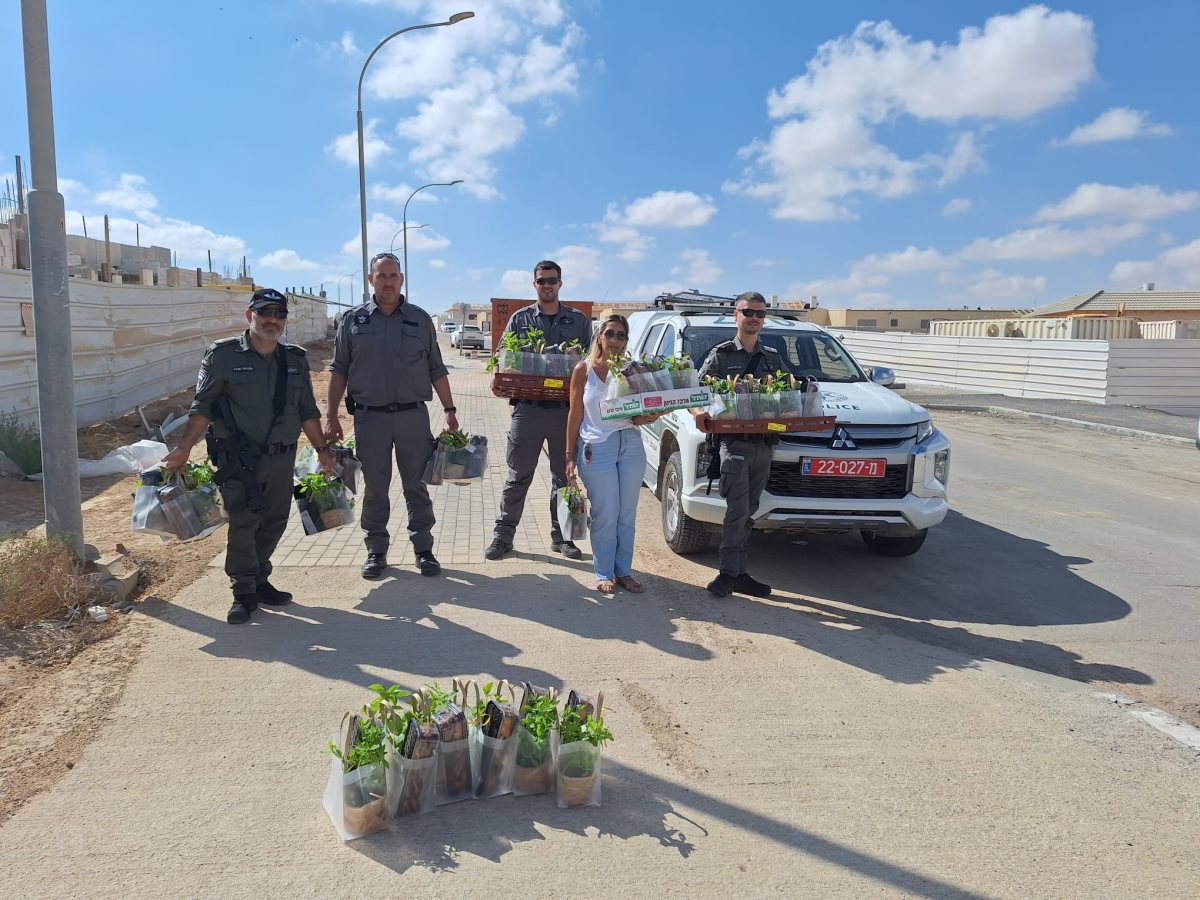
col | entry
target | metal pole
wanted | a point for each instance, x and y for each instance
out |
(362, 161)
(404, 226)
(51, 297)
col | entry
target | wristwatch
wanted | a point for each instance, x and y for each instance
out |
(450, 409)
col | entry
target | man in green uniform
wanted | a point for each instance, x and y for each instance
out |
(256, 393)
(745, 459)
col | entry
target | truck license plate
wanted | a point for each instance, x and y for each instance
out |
(843, 468)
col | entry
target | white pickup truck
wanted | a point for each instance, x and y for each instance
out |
(882, 472)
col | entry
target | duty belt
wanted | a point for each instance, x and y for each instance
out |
(277, 448)
(391, 407)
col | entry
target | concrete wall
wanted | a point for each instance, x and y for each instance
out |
(1157, 374)
(132, 344)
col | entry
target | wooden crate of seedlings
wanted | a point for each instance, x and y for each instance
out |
(773, 404)
(527, 369)
(515, 386)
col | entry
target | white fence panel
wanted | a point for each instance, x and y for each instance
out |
(132, 344)
(1163, 374)
(1012, 366)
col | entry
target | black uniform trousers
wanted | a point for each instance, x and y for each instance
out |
(253, 536)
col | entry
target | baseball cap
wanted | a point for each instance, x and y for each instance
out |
(267, 297)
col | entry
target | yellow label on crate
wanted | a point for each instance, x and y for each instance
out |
(776, 426)
(552, 383)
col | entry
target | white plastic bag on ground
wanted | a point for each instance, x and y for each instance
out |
(355, 800)
(578, 769)
(492, 761)
(127, 460)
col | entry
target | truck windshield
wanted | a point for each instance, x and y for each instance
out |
(805, 353)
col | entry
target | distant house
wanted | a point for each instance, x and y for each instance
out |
(1147, 305)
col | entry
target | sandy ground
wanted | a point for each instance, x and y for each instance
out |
(45, 699)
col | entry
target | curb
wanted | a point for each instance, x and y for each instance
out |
(1009, 412)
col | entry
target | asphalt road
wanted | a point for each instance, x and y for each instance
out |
(1068, 552)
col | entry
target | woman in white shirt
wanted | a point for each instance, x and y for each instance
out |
(609, 457)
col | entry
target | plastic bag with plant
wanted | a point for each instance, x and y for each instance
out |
(534, 769)
(323, 503)
(572, 512)
(581, 735)
(356, 791)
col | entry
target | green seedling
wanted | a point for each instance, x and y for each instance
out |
(369, 748)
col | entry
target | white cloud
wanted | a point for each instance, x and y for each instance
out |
(400, 193)
(870, 299)
(1052, 242)
(662, 209)
(669, 209)
(991, 283)
(963, 158)
(700, 269)
(1142, 201)
(190, 241)
(476, 83)
(579, 264)
(130, 194)
(517, 283)
(1177, 268)
(855, 282)
(286, 261)
(957, 207)
(1014, 67)
(437, 264)
(906, 261)
(764, 263)
(1117, 124)
(650, 291)
(345, 147)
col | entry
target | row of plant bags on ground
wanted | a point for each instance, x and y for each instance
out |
(325, 501)
(649, 375)
(404, 754)
(532, 356)
(778, 396)
(458, 458)
(183, 506)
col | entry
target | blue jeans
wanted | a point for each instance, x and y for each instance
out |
(613, 480)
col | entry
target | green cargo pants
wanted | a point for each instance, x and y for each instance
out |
(253, 537)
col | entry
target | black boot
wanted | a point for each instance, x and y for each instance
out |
(243, 605)
(269, 595)
(374, 566)
(744, 584)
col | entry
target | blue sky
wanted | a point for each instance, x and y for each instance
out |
(905, 154)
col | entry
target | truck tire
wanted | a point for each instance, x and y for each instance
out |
(683, 534)
(894, 546)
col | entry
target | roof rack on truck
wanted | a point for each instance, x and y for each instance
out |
(694, 302)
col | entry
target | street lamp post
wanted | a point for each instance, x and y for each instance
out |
(392, 245)
(404, 225)
(362, 160)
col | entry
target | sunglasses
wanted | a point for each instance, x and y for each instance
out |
(547, 280)
(271, 312)
(615, 335)
(754, 313)
(385, 255)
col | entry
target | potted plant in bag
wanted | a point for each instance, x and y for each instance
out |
(327, 498)
(534, 771)
(581, 735)
(362, 753)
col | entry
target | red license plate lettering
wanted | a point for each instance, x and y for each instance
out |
(843, 468)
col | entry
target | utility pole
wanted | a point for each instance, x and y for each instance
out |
(51, 298)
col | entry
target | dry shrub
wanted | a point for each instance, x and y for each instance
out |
(39, 581)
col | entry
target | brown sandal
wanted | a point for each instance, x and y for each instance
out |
(630, 584)
(606, 587)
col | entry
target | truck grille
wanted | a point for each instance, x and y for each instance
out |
(785, 480)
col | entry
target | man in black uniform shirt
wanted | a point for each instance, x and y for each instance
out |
(745, 459)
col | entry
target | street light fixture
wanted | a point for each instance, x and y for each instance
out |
(404, 224)
(392, 245)
(362, 160)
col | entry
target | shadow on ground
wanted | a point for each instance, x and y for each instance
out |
(635, 804)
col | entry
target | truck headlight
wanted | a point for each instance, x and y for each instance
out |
(941, 466)
(702, 461)
(924, 430)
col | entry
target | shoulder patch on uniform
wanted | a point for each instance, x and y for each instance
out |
(297, 349)
(362, 318)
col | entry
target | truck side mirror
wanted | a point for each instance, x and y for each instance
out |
(882, 375)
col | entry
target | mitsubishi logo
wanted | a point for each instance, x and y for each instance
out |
(842, 440)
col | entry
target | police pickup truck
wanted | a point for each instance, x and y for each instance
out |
(883, 470)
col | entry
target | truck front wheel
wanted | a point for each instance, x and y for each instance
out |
(683, 534)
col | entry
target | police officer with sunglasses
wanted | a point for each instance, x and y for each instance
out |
(538, 422)
(254, 396)
(745, 459)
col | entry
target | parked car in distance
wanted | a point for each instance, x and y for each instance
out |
(467, 336)
(449, 327)
(883, 471)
